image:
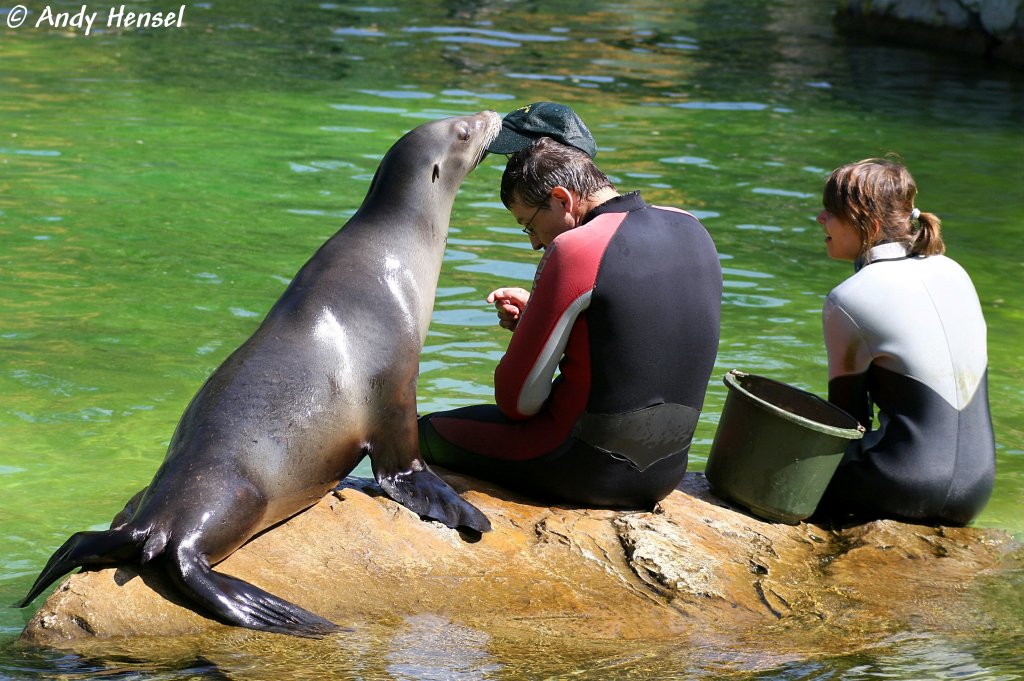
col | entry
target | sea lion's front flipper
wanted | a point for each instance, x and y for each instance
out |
(422, 492)
(399, 469)
(238, 602)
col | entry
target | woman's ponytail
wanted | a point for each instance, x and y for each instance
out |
(928, 235)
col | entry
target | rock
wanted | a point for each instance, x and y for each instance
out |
(695, 569)
(989, 28)
(999, 16)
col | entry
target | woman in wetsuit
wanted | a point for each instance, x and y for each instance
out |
(905, 335)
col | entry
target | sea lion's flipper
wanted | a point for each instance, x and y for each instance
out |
(85, 548)
(424, 493)
(237, 602)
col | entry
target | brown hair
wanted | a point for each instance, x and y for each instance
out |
(532, 173)
(876, 196)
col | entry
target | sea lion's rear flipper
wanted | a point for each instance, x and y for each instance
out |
(422, 492)
(237, 602)
(85, 548)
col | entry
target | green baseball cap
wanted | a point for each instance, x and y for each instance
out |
(521, 127)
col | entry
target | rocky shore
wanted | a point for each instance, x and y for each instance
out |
(985, 28)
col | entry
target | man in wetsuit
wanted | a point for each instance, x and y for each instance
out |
(625, 306)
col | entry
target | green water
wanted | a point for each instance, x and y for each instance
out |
(159, 188)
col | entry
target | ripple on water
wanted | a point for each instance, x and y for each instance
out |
(346, 129)
(751, 300)
(477, 95)
(414, 650)
(320, 166)
(475, 242)
(52, 385)
(209, 348)
(682, 44)
(476, 40)
(399, 94)
(560, 79)
(367, 108)
(208, 278)
(351, 32)
(749, 274)
(515, 271)
(456, 345)
(313, 212)
(449, 291)
(367, 9)
(463, 317)
(483, 35)
(484, 351)
(452, 255)
(496, 205)
(760, 228)
(447, 384)
(782, 192)
(243, 313)
(31, 152)
(688, 160)
(720, 106)
(753, 359)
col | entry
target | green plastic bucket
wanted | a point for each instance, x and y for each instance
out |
(776, 447)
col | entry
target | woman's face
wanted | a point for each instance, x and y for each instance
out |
(842, 239)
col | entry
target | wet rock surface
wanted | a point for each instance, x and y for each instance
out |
(694, 570)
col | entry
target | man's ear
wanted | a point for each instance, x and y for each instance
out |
(565, 197)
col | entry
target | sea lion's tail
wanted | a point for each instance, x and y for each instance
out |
(87, 549)
(238, 602)
(230, 599)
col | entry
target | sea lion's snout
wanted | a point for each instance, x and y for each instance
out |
(493, 122)
(489, 125)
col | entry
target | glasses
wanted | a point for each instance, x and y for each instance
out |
(528, 229)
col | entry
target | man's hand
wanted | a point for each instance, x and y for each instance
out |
(510, 303)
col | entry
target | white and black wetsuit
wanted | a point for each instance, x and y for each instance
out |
(906, 334)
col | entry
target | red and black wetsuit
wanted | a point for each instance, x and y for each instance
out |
(626, 307)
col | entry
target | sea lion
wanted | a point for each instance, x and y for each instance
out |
(327, 378)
